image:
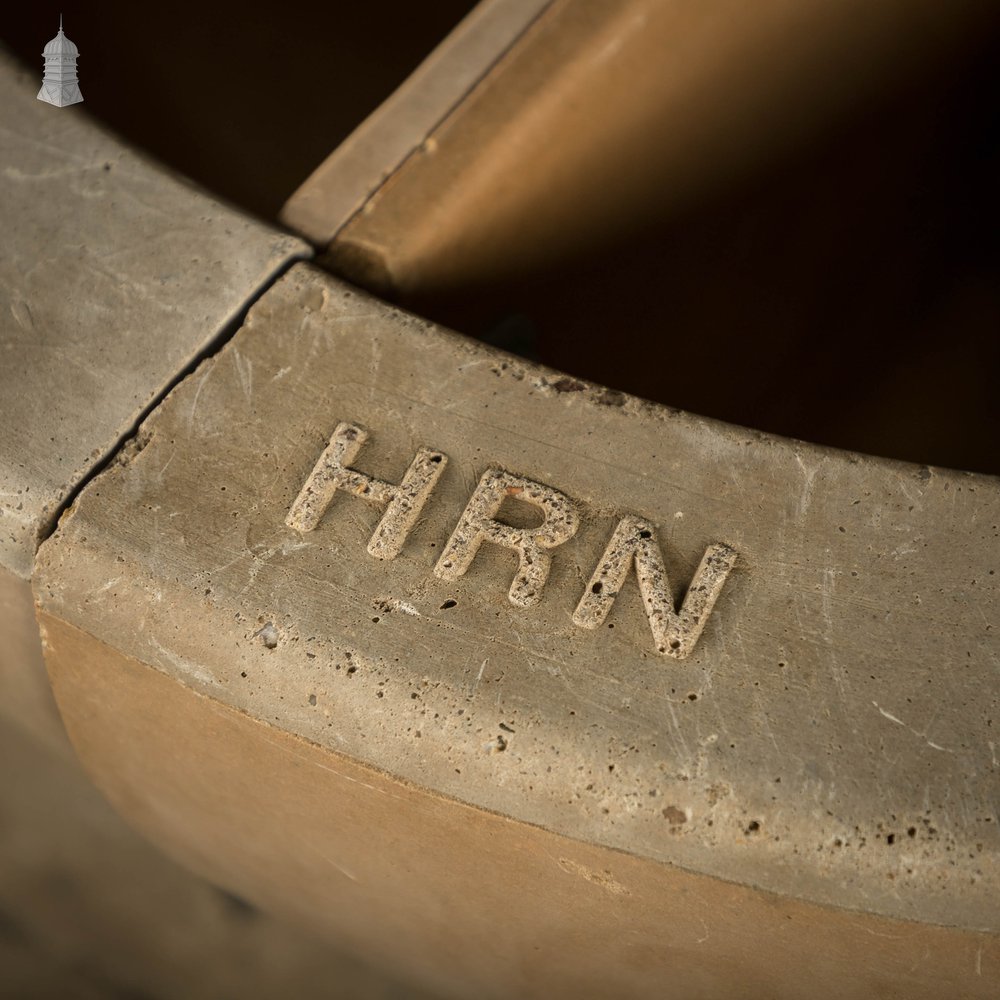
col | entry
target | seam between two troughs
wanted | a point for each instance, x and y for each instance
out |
(225, 333)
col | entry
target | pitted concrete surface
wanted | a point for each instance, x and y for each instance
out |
(830, 737)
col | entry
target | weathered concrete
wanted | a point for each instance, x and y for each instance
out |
(90, 910)
(474, 904)
(114, 276)
(829, 737)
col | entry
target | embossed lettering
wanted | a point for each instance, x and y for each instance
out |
(332, 472)
(633, 542)
(478, 524)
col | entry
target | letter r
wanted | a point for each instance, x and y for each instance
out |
(478, 524)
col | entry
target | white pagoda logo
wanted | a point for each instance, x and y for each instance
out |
(59, 85)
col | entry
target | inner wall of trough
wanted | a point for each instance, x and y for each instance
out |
(847, 292)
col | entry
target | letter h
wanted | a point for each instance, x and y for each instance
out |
(403, 502)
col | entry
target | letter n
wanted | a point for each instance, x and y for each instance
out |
(675, 631)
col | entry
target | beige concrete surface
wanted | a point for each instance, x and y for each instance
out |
(25, 696)
(469, 902)
(720, 706)
(828, 737)
(89, 909)
(114, 276)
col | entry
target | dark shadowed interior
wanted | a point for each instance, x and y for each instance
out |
(846, 293)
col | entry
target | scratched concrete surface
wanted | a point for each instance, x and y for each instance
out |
(114, 276)
(831, 736)
(90, 909)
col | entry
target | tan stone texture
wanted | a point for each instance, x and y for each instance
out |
(466, 901)
(25, 696)
(830, 739)
(603, 117)
(90, 910)
(114, 277)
